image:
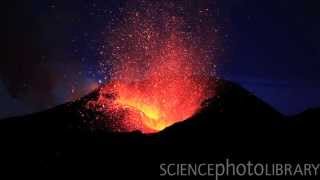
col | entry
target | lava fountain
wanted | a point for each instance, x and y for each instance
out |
(160, 72)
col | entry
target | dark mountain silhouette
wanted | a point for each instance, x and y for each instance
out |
(234, 124)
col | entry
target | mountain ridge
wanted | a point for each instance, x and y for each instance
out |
(233, 124)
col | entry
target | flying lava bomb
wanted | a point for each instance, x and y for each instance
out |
(162, 67)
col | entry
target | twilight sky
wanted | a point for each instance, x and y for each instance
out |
(271, 47)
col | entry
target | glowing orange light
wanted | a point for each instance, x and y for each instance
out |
(160, 74)
(169, 92)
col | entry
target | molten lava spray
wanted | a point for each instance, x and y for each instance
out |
(161, 72)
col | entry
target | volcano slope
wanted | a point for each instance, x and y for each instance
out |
(234, 124)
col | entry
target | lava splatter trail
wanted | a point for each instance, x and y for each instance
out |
(162, 68)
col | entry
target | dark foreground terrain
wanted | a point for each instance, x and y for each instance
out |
(234, 125)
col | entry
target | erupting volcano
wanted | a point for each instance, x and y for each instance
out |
(161, 70)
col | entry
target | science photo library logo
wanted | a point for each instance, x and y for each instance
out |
(248, 168)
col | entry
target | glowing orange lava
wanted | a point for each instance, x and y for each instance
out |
(160, 75)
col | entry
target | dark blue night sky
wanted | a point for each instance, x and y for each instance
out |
(271, 47)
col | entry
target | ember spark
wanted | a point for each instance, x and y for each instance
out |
(161, 71)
